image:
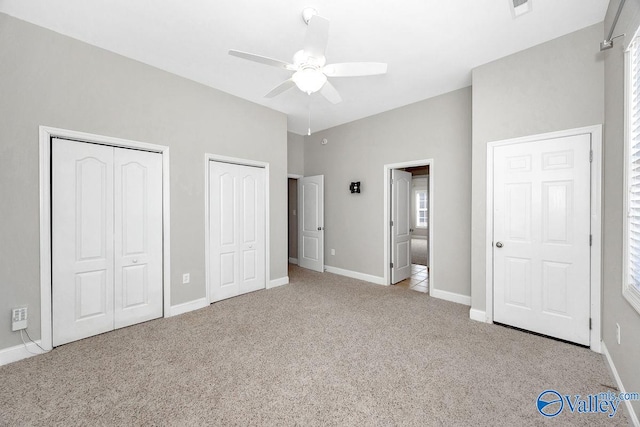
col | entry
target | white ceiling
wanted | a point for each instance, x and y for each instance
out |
(430, 45)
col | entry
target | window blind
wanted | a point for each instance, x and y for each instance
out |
(633, 168)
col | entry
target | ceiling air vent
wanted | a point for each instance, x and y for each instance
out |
(520, 7)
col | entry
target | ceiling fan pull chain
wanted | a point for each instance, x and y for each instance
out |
(309, 128)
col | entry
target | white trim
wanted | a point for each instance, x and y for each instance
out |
(596, 221)
(208, 157)
(293, 260)
(19, 352)
(478, 315)
(46, 133)
(294, 176)
(387, 209)
(355, 275)
(186, 307)
(450, 296)
(633, 417)
(278, 282)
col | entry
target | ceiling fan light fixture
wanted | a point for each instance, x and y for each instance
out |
(309, 80)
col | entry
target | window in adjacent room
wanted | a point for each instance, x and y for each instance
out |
(421, 209)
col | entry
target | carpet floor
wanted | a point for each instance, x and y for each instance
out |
(323, 350)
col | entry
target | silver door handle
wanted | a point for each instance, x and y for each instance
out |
(320, 228)
(499, 244)
(135, 261)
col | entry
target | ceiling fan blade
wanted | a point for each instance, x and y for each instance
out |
(282, 87)
(315, 42)
(330, 92)
(262, 59)
(354, 69)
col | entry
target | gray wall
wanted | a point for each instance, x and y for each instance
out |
(438, 128)
(616, 309)
(553, 86)
(295, 166)
(49, 79)
(295, 154)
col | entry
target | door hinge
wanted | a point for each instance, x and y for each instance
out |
(391, 223)
(590, 323)
(590, 155)
(391, 265)
(590, 239)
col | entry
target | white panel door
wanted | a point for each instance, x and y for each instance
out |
(311, 222)
(138, 236)
(541, 237)
(82, 240)
(106, 237)
(400, 225)
(237, 224)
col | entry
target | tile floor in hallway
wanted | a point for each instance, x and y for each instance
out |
(419, 279)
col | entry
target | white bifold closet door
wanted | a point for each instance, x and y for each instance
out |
(106, 237)
(237, 221)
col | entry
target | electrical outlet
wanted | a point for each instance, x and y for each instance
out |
(19, 318)
(333, 251)
(186, 278)
(618, 333)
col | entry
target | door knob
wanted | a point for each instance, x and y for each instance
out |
(499, 244)
(320, 228)
(135, 261)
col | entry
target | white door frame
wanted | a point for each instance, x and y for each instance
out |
(596, 222)
(387, 217)
(46, 133)
(208, 157)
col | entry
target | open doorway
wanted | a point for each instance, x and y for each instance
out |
(419, 229)
(408, 222)
(292, 214)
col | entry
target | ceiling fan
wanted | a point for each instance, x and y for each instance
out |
(310, 72)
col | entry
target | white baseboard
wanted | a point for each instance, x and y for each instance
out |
(355, 275)
(278, 282)
(450, 296)
(478, 315)
(293, 261)
(630, 412)
(19, 352)
(186, 307)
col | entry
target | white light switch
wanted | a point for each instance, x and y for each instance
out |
(186, 278)
(333, 251)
